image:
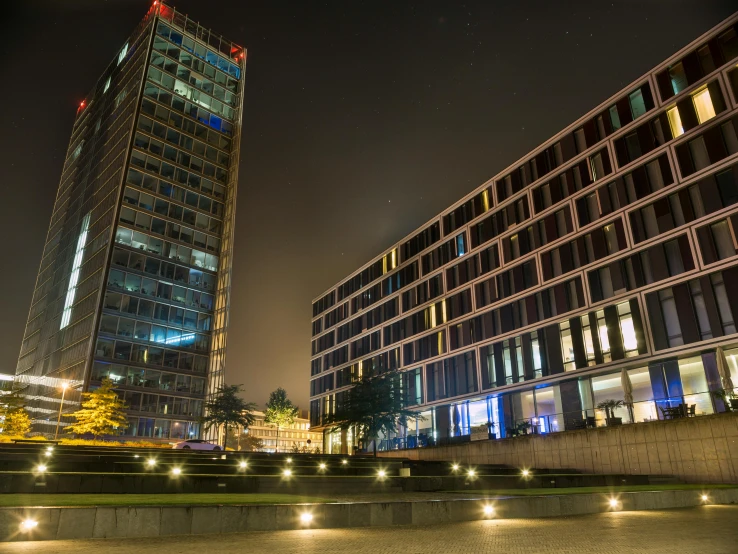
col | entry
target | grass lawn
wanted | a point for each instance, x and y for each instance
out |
(586, 490)
(9, 500)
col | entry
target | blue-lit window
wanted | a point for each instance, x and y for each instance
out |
(460, 246)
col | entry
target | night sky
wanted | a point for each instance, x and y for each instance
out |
(362, 120)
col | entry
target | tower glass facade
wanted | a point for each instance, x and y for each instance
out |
(601, 266)
(134, 280)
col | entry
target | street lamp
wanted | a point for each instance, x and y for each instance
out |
(58, 419)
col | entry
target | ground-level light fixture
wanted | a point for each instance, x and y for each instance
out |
(28, 524)
(40, 468)
(614, 502)
(135, 455)
(344, 461)
(322, 466)
(381, 474)
(289, 460)
(306, 518)
(151, 462)
(455, 467)
(488, 510)
(287, 472)
(176, 471)
(525, 473)
(472, 473)
(242, 464)
(705, 498)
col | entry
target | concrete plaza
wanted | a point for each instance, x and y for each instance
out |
(704, 529)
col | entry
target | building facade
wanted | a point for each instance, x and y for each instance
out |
(295, 435)
(134, 280)
(606, 259)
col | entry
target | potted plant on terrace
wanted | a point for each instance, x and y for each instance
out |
(730, 400)
(609, 406)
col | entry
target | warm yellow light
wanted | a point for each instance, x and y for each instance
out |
(381, 474)
(675, 122)
(306, 517)
(28, 524)
(322, 466)
(344, 462)
(488, 510)
(287, 473)
(471, 473)
(289, 460)
(151, 462)
(455, 467)
(242, 464)
(613, 502)
(40, 468)
(47, 453)
(65, 386)
(703, 105)
(526, 473)
(705, 498)
(49, 449)
(135, 455)
(176, 471)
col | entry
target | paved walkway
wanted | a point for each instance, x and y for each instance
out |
(706, 529)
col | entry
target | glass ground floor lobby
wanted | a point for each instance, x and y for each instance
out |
(664, 389)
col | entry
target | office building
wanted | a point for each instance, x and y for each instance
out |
(612, 246)
(294, 435)
(135, 276)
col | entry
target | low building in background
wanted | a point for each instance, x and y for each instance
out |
(298, 434)
(592, 282)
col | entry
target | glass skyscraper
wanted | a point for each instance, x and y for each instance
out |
(135, 276)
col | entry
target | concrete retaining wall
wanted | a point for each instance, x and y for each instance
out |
(699, 450)
(155, 521)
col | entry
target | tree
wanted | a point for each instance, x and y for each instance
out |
(226, 408)
(102, 413)
(375, 404)
(16, 421)
(280, 411)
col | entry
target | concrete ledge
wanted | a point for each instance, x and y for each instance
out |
(155, 521)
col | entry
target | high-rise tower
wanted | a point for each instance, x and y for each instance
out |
(135, 277)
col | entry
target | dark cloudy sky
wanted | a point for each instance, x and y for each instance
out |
(362, 120)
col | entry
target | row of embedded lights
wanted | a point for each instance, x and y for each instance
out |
(307, 517)
(472, 473)
(243, 464)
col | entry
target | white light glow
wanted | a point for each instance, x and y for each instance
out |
(176, 471)
(471, 473)
(344, 462)
(242, 465)
(704, 498)
(151, 462)
(322, 466)
(40, 468)
(613, 502)
(287, 473)
(28, 524)
(74, 277)
(526, 473)
(381, 474)
(489, 510)
(306, 517)
(289, 460)
(455, 467)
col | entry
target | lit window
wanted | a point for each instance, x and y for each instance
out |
(703, 105)
(107, 86)
(74, 277)
(630, 342)
(675, 122)
(123, 53)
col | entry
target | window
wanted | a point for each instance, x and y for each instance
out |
(675, 122)
(678, 78)
(107, 85)
(637, 104)
(567, 346)
(123, 53)
(627, 329)
(703, 105)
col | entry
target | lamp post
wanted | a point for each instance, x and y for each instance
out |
(58, 419)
